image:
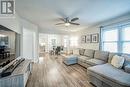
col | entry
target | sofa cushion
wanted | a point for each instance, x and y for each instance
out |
(127, 68)
(83, 58)
(81, 51)
(110, 57)
(89, 53)
(127, 60)
(111, 73)
(117, 61)
(76, 51)
(102, 55)
(69, 52)
(94, 62)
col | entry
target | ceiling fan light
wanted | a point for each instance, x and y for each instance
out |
(67, 24)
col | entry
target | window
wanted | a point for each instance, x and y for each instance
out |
(110, 35)
(116, 39)
(126, 47)
(126, 39)
(110, 38)
(66, 41)
(74, 41)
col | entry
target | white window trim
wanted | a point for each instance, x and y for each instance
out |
(120, 41)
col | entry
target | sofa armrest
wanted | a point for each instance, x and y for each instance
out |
(127, 68)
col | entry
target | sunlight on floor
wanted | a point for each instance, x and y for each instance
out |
(74, 74)
(54, 73)
(41, 60)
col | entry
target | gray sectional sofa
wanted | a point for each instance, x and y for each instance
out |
(99, 70)
(90, 57)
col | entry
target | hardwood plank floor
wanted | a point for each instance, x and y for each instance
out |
(52, 72)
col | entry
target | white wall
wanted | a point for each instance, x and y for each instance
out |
(11, 23)
(96, 29)
(53, 31)
(17, 24)
(28, 26)
(28, 44)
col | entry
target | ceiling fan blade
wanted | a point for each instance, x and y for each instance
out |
(59, 23)
(74, 19)
(62, 19)
(74, 23)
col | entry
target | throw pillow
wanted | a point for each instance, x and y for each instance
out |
(76, 52)
(81, 51)
(127, 60)
(117, 61)
(68, 52)
(127, 68)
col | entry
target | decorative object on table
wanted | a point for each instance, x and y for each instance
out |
(88, 38)
(95, 38)
(83, 39)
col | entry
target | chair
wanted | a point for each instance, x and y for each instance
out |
(58, 49)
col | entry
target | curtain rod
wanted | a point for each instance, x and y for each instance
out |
(116, 23)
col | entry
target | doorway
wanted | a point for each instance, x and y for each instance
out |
(28, 44)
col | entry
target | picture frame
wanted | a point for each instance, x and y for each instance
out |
(83, 39)
(95, 38)
(88, 38)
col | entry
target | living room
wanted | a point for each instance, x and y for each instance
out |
(63, 43)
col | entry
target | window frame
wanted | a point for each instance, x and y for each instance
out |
(74, 41)
(120, 40)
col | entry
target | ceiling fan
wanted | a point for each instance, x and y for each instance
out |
(68, 22)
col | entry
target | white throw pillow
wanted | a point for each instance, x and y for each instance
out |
(69, 52)
(76, 52)
(117, 61)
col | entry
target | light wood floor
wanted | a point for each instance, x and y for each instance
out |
(52, 72)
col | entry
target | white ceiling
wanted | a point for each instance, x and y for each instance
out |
(46, 13)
